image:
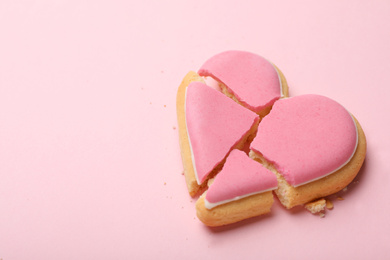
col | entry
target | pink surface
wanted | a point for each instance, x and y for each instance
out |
(306, 137)
(240, 176)
(215, 124)
(90, 165)
(252, 79)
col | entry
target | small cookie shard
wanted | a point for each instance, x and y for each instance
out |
(316, 206)
(213, 126)
(248, 78)
(329, 204)
(240, 177)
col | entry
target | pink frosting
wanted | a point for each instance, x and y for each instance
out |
(240, 176)
(215, 123)
(306, 137)
(251, 78)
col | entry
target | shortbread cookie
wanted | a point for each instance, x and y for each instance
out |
(248, 78)
(210, 126)
(313, 145)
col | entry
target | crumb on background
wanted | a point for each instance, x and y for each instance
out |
(316, 206)
(329, 204)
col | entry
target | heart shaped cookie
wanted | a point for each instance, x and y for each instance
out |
(304, 147)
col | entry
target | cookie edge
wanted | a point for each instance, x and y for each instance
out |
(235, 211)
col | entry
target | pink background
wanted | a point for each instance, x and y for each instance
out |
(90, 165)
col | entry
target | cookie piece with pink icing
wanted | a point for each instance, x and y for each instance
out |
(242, 182)
(248, 78)
(215, 125)
(313, 144)
(210, 126)
(240, 177)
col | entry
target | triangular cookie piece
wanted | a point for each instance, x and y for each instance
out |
(243, 189)
(240, 177)
(215, 125)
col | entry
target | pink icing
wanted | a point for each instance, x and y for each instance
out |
(306, 137)
(240, 176)
(251, 78)
(215, 123)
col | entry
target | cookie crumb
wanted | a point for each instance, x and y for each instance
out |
(345, 189)
(210, 181)
(329, 204)
(322, 215)
(316, 206)
(340, 198)
(174, 127)
(165, 105)
(165, 183)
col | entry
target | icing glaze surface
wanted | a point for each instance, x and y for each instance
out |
(215, 123)
(240, 177)
(306, 137)
(252, 79)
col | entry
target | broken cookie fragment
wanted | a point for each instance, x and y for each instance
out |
(313, 145)
(210, 126)
(249, 79)
(316, 206)
(241, 190)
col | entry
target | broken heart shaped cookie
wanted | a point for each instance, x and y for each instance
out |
(303, 148)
